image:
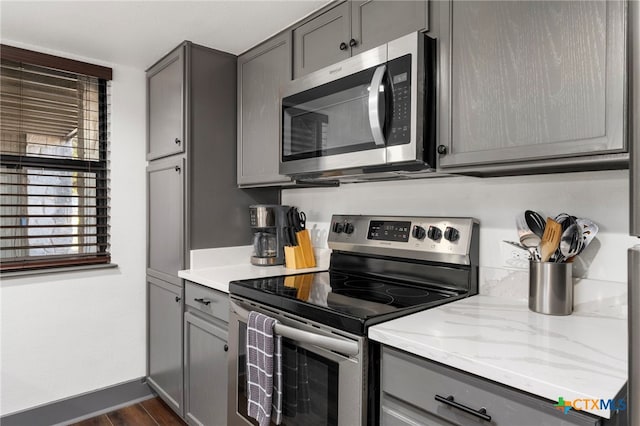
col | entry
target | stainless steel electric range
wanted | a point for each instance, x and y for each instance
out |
(381, 268)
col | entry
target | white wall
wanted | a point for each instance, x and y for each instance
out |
(65, 334)
(600, 196)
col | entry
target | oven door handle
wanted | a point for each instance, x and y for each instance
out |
(325, 342)
(374, 106)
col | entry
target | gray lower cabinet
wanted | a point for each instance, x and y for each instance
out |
(261, 72)
(164, 341)
(411, 387)
(351, 28)
(205, 356)
(526, 84)
(165, 86)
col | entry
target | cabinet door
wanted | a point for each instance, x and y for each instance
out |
(375, 22)
(164, 341)
(317, 43)
(165, 222)
(531, 80)
(165, 115)
(410, 386)
(261, 72)
(205, 355)
(395, 412)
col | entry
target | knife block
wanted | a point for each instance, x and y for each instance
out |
(300, 256)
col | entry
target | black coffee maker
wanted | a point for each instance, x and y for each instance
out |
(268, 222)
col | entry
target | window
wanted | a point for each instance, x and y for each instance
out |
(54, 162)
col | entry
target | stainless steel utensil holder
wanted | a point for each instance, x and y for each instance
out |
(550, 288)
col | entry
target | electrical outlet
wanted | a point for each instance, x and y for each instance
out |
(513, 257)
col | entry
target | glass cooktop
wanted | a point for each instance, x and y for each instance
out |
(347, 302)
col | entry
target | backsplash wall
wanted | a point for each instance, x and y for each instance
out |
(600, 196)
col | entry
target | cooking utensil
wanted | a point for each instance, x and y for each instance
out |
(571, 243)
(589, 230)
(531, 250)
(527, 238)
(550, 239)
(566, 220)
(535, 222)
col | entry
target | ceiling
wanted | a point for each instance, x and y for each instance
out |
(138, 33)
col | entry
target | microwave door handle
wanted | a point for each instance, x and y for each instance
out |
(374, 106)
(331, 343)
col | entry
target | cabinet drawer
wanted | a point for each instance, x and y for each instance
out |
(207, 300)
(416, 381)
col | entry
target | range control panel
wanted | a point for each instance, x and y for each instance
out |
(440, 239)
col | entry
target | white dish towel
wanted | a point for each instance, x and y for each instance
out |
(264, 369)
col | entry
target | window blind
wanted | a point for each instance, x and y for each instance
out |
(54, 183)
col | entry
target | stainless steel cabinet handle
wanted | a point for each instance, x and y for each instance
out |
(374, 106)
(482, 413)
(203, 301)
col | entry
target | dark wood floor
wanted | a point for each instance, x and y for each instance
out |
(152, 412)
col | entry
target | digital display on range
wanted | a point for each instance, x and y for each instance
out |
(384, 230)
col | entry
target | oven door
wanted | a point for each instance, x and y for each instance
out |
(323, 372)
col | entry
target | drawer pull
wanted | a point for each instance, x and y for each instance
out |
(482, 413)
(203, 301)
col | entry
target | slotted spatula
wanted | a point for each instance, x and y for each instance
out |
(550, 239)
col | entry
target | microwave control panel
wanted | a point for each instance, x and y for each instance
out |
(399, 125)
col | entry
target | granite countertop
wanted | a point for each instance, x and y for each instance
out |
(579, 356)
(215, 268)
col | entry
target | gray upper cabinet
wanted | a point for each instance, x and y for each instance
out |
(376, 22)
(165, 106)
(164, 341)
(261, 72)
(531, 83)
(165, 192)
(185, 211)
(322, 41)
(351, 28)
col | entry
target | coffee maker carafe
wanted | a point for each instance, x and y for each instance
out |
(268, 222)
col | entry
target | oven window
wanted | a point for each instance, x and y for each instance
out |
(310, 385)
(329, 119)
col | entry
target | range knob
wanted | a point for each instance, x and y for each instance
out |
(348, 228)
(434, 233)
(451, 234)
(419, 232)
(337, 227)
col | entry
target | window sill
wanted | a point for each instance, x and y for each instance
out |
(18, 274)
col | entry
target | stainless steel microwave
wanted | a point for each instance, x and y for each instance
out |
(370, 114)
